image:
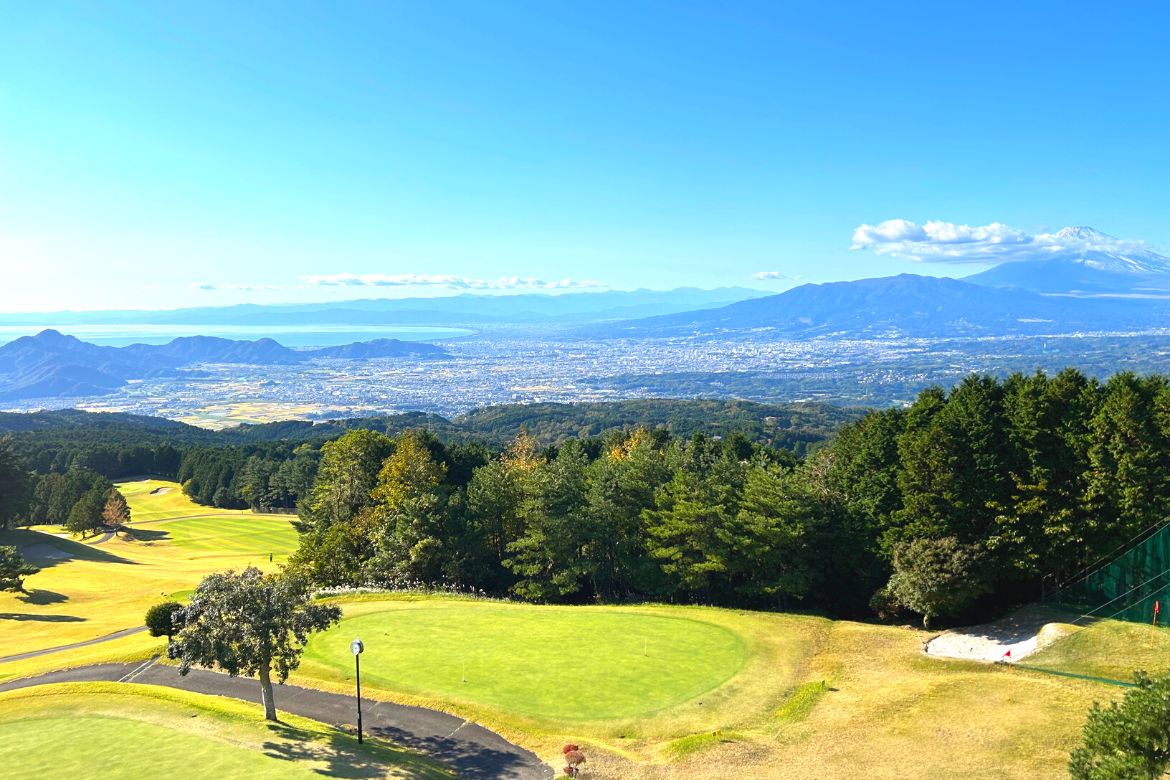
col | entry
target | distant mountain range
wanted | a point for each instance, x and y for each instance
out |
(53, 365)
(1094, 268)
(453, 310)
(1082, 282)
(907, 306)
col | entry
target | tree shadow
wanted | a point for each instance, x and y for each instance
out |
(42, 597)
(342, 756)
(46, 551)
(147, 535)
(22, 616)
(483, 757)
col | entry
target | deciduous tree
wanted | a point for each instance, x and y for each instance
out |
(249, 623)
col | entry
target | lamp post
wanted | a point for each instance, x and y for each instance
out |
(356, 647)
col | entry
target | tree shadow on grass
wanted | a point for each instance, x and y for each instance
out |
(146, 535)
(42, 597)
(341, 756)
(46, 550)
(41, 618)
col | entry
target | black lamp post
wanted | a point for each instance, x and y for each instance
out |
(356, 647)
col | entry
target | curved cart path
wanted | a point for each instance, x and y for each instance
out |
(471, 750)
(86, 643)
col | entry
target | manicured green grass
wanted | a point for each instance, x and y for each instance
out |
(103, 730)
(554, 662)
(220, 535)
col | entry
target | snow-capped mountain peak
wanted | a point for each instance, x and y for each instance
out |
(1101, 251)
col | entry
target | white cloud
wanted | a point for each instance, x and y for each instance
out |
(948, 242)
(210, 287)
(765, 276)
(447, 280)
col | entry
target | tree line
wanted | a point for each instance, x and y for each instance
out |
(965, 501)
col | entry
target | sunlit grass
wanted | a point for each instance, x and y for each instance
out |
(103, 730)
(86, 590)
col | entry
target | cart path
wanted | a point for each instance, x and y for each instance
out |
(86, 643)
(470, 749)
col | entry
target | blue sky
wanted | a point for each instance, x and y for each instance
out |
(165, 154)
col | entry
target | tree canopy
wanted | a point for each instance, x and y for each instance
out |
(251, 624)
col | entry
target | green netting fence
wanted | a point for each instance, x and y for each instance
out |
(1126, 587)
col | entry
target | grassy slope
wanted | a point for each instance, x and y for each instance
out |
(103, 730)
(105, 588)
(814, 698)
(1109, 649)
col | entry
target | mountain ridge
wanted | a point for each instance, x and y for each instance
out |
(906, 305)
(55, 365)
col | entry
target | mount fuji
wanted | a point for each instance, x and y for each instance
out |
(1084, 261)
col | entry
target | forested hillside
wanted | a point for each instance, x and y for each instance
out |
(963, 502)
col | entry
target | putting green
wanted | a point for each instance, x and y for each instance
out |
(587, 663)
(100, 730)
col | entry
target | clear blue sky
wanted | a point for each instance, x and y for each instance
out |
(151, 150)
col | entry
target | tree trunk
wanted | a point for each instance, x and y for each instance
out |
(266, 693)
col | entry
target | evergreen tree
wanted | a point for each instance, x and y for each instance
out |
(1128, 739)
(408, 514)
(14, 569)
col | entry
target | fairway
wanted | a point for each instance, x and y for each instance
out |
(86, 590)
(555, 662)
(104, 730)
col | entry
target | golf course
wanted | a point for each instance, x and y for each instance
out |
(647, 690)
(126, 731)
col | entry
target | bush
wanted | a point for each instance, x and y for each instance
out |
(160, 619)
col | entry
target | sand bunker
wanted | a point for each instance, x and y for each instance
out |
(160, 491)
(1006, 640)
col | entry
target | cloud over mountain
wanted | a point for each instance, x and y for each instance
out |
(948, 242)
(449, 281)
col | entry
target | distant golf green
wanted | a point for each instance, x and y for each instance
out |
(562, 662)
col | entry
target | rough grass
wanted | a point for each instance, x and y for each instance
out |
(86, 590)
(105, 730)
(1109, 649)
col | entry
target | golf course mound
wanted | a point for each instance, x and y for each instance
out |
(580, 663)
(110, 730)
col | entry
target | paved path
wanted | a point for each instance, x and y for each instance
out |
(107, 536)
(86, 643)
(471, 750)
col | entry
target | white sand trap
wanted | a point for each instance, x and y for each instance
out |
(160, 491)
(1021, 633)
(45, 552)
